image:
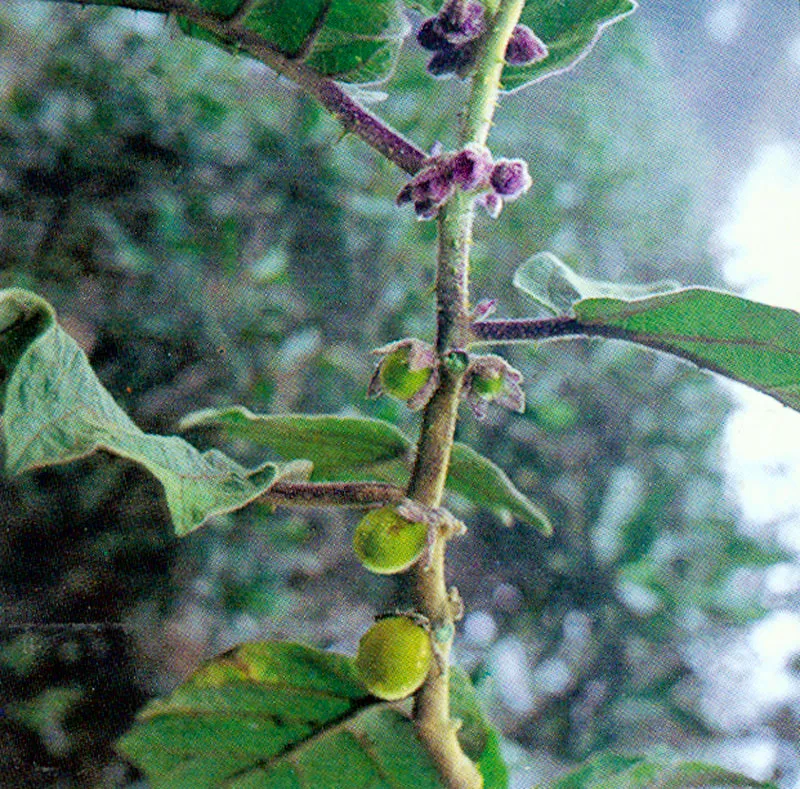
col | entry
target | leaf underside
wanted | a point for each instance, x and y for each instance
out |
(56, 410)
(347, 447)
(285, 716)
(753, 343)
(750, 342)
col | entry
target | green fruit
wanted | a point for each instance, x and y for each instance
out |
(398, 380)
(387, 543)
(488, 386)
(393, 658)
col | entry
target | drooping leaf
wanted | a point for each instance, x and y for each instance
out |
(334, 444)
(612, 771)
(347, 447)
(569, 30)
(56, 410)
(750, 342)
(552, 284)
(349, 40)
(478, 479)
(277, 715)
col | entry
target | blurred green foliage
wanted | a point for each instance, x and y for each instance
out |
(209, 239)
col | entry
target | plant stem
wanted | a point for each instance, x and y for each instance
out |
(354, 117)
(332, 494)
(432, 719)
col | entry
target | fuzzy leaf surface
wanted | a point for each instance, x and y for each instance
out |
(613, 771)
(750, 342)
(347, 447)
(276, 715)
(553, 285)
(56, 410)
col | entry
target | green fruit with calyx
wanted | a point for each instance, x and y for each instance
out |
(488, 386)
(398, 380)
(387, 543)
(394, 657)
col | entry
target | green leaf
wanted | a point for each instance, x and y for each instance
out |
(750, 342)
(278, 715)
(347, 447)
(612, 771)
(556, 287)
(478, 479)
(570, 30)
(334, 444)
(56, 410)
(349, 40)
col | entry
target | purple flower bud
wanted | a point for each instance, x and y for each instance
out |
(492, 202)
(460, 23)
(525, 47)
(483, 309)
(429, 35)
(429, 188)
(471, 167)
(510, 178)
(445, 61)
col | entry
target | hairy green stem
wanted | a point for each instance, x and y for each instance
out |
(434, 726)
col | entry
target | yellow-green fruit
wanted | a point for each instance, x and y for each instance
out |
(393, 658)
(487, 386)
(398, 380)
(387, 543)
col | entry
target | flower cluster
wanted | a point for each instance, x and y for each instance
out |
(454, 36)
(471, 169)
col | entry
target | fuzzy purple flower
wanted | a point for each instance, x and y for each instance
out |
(471, 167)
(408, 371)
(429, 189)
(510, 178)
(430, 37)
(491, 379)
(525, 47)
(461, 22)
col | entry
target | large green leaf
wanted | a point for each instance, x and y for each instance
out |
(612, 771)
(281, 716)
(750, 342)
(56, 410)
(556, 287)
(350, 40)
(347, 447)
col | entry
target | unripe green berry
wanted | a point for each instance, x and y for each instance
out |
(398, 380)
(387, 543)
(488, 386)
(393, 658)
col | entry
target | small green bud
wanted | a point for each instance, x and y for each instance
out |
(398, 380)
(394, 657)
(488, 386)
(387, 543)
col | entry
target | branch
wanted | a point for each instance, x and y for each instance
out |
(432, 719)
(502, 332)
(332, 494)
(355, 118)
